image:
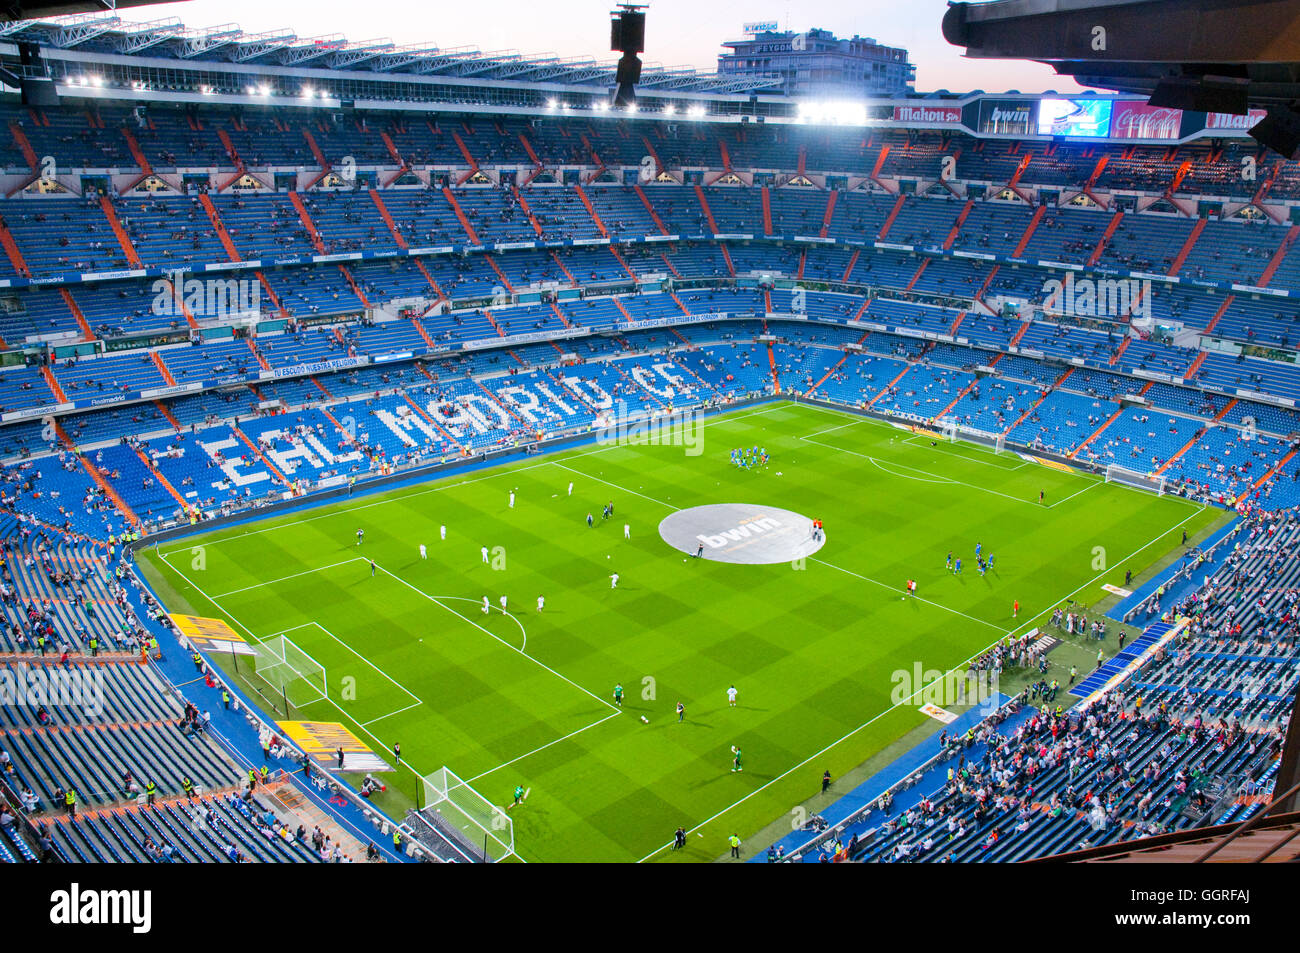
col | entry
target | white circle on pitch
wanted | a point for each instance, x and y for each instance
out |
(741, 533)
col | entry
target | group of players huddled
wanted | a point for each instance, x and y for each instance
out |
(747, 457)
(982, 563)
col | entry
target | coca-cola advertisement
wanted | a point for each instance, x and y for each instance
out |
(1134, 120)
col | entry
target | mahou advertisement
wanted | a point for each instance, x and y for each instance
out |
(927, 114)
(1133, 120)
(1233, 121)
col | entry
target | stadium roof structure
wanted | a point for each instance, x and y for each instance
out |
(226, 43)
(1189, 54)
(26, 9)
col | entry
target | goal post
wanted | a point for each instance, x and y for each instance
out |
(954, 431)
(1152, 483)
(293, 673)
(463, 813)
(983, 438)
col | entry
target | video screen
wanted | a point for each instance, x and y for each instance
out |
(1074, 118)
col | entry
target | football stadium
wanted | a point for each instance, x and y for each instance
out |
(423, 455)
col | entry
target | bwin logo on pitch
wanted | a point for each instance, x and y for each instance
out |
(746, 530)
(77, 907)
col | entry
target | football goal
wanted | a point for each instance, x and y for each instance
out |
(955, 431)
(1141, 481)
(295, 676)
(464, 814)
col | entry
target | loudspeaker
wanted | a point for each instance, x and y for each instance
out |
(627, 35)
(39, 92)
(627, 32)
(629, 70)
(29, 54)
(36, 90)
(1279, 131)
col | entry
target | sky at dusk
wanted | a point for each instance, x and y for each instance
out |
(678, 32)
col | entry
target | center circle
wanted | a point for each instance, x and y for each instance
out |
(741, 533)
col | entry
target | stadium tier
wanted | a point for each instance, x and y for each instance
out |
(223, 321)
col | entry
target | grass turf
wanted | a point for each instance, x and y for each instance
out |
(525, 697)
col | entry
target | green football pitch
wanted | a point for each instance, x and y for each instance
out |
(523, 697)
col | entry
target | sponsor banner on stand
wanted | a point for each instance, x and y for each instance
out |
(929, 115)
(318, 367)
(159, 392)
(664, 322)
(1131, 119)
(938, 714)
(323, 740)
(1007, 116)
(211, 635)
(1226, 121)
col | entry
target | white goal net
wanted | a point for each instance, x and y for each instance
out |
(954, 431)
(292, 673)
(467, 815)
(1152, 483)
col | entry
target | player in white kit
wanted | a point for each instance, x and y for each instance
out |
(541, 603)
(503, 603)
(627, 531)
(731, 696)
(570, 489)
(512, 499)
(613, 581)
(486, 605)
(442, 531)
(483, 551)
(424, 554)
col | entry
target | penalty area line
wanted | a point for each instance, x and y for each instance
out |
(506, 764)
(362, 726)
(272, 582)
(494, 636)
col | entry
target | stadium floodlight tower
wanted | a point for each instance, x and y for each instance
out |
(627, 36)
